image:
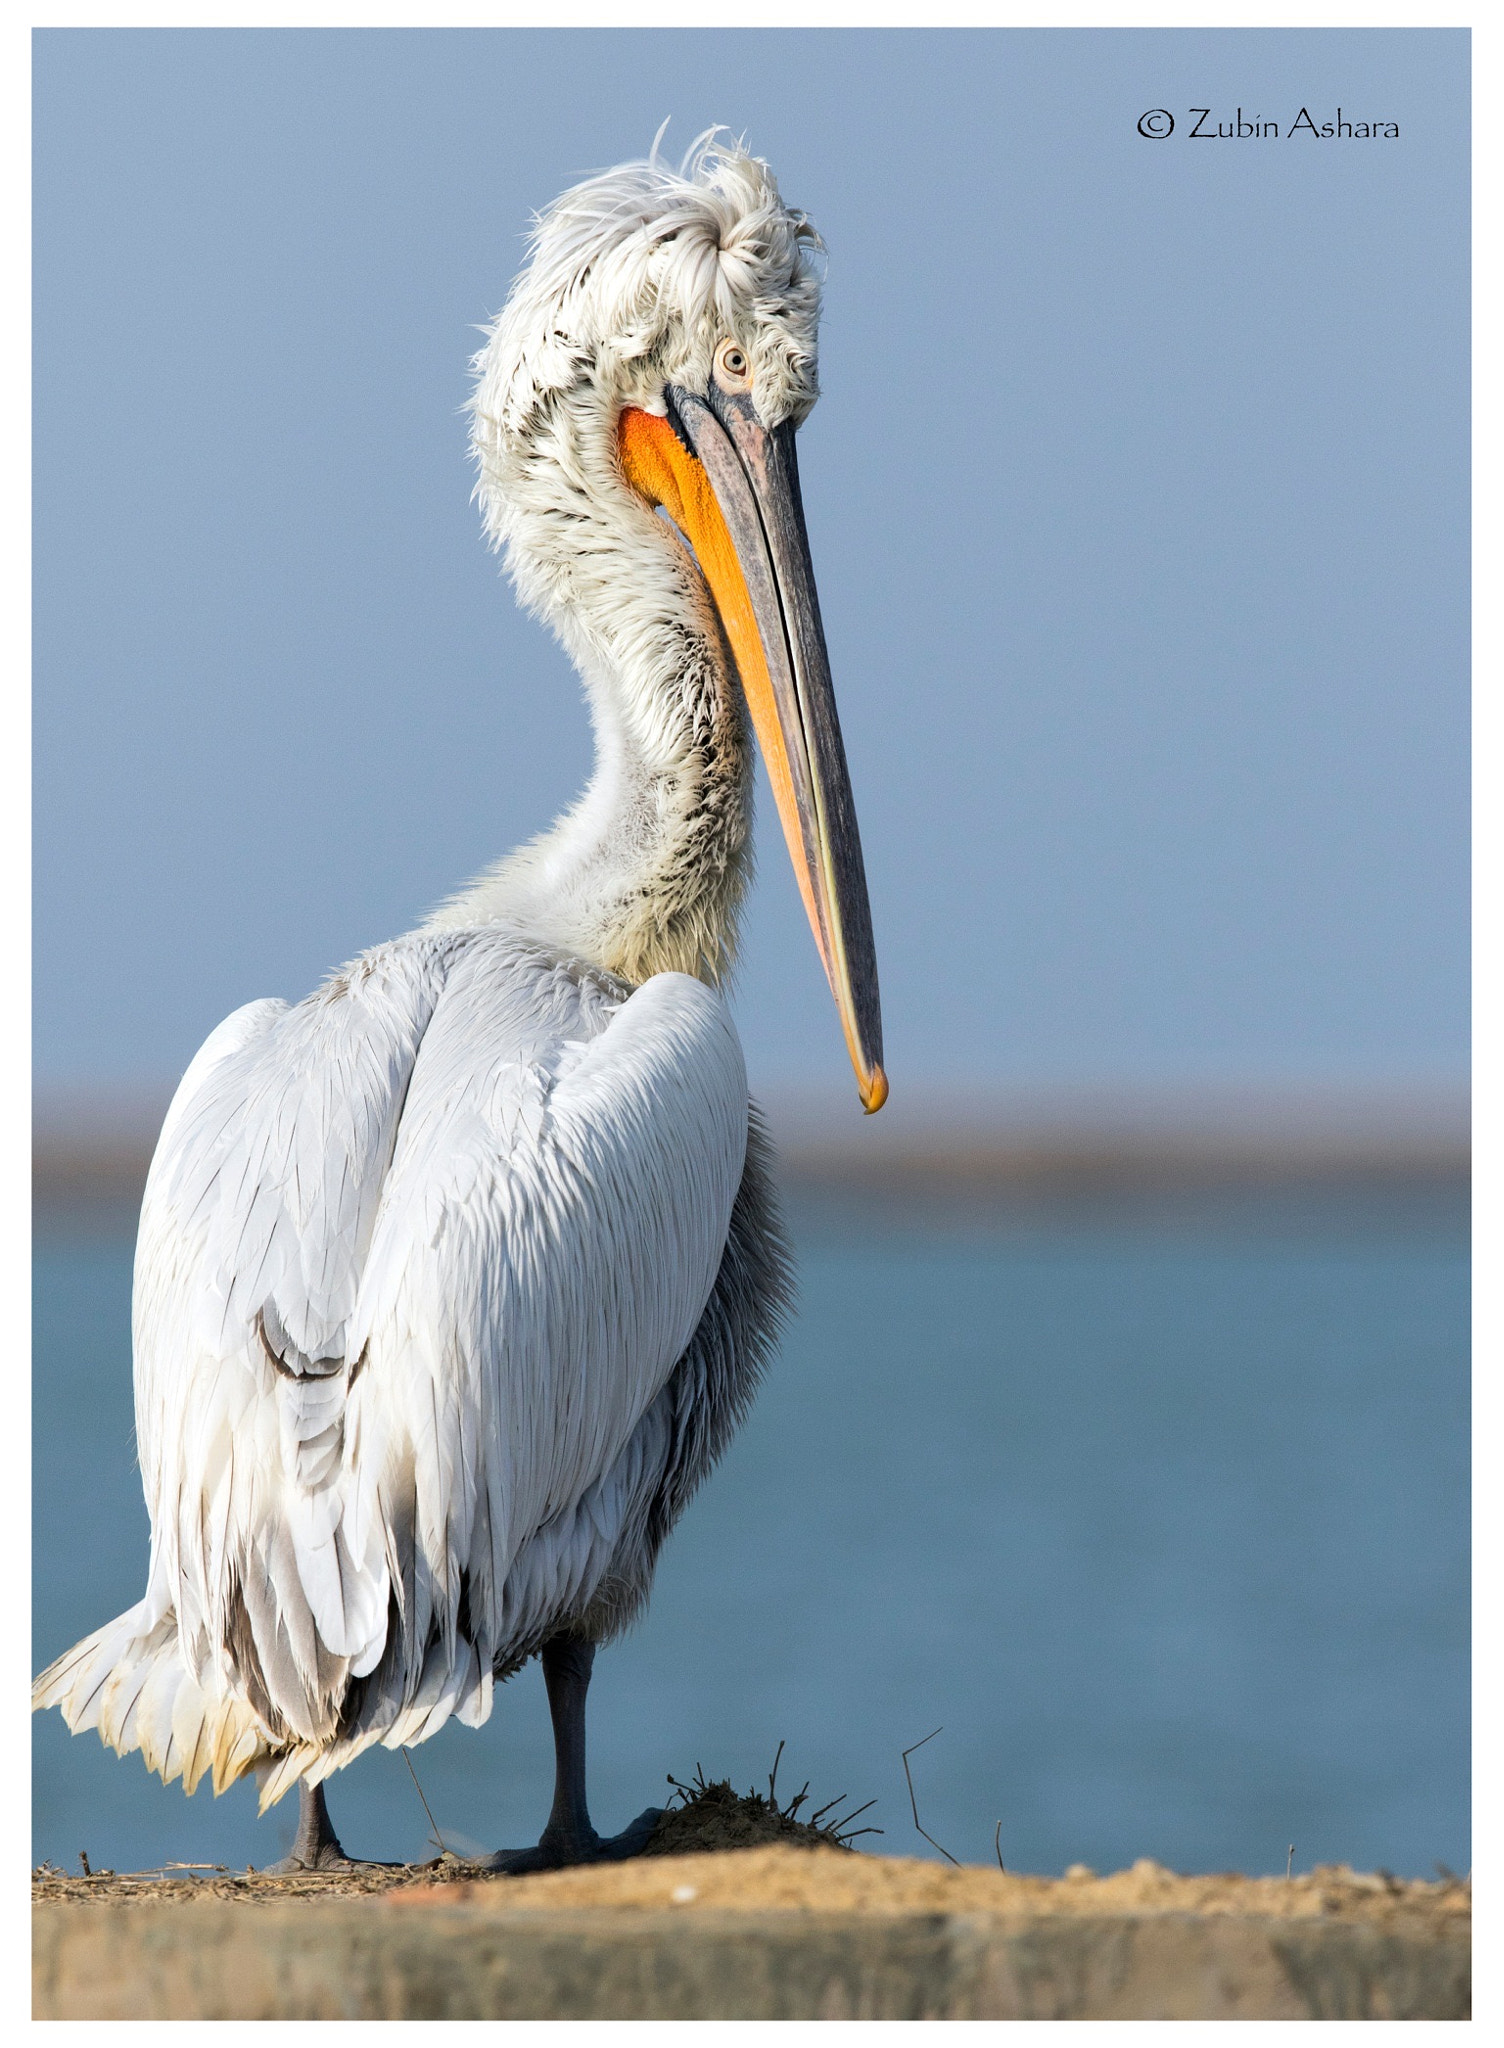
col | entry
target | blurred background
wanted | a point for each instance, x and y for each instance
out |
(1122, 1432)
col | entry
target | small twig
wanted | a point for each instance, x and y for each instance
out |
(419, 1789)
(827, 1806)
(1289, 1861)
(847, 1840)
(193, 1866)
(688, 1792)
(83, 1857)
(913, 1801)
(773, 1779)
(847, 1818)
(997, 1848)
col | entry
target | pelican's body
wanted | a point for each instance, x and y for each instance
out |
(454, 1278)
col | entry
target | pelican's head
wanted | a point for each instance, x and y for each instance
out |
(658, 353)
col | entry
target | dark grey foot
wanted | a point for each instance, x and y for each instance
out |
(293, 1865)
(316, 1846)
(562, 1851)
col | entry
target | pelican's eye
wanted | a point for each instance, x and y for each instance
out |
(733, 372)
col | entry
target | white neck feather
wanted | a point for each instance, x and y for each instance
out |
(646, 872)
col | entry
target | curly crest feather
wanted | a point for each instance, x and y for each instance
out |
(633, 277)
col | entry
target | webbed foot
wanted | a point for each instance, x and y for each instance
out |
(328, 1857)
(563, 1849)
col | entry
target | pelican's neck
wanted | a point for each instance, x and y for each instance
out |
(646, 872)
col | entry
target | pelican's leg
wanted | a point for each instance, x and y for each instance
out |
(569, 1837)
(316, 1846)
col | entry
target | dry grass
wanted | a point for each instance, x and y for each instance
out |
(703, 1816)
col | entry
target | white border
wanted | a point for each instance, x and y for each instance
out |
(1488, 333)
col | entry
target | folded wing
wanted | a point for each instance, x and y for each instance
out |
(417, 1259)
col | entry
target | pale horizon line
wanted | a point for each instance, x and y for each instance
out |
(93, 1147)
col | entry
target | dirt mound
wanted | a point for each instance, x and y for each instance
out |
(709, 1815)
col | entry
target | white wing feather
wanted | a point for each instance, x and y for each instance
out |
(549, 1237)
(258, 1212)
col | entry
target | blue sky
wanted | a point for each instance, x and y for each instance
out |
(1137, 497)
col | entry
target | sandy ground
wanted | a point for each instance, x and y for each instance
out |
(830, 1881)
(725, 1851)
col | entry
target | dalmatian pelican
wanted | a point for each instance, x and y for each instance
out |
(454, 1279)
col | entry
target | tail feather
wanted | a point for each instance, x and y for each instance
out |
(76, 1681)
(134, 1688)
(120, 1703)
(236, 1752)
(154, 1718)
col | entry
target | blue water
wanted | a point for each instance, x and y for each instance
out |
(1162, 1519)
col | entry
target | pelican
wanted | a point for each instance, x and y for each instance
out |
(454, 1278)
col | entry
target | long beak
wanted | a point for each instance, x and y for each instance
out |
(731, 486)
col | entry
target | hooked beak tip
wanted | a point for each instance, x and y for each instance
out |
(874, 1091)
